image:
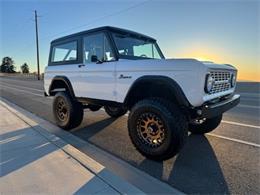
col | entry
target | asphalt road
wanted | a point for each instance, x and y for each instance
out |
(224, 161)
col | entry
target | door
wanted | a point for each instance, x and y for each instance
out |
(98, 69)
(64, 60)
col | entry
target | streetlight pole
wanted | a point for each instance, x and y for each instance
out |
(37, 45)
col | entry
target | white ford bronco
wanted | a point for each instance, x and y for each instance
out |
(122, 71)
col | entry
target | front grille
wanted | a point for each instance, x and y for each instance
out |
(222, 81)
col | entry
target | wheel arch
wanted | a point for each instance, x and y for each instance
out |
(61, 82)
(148, 86)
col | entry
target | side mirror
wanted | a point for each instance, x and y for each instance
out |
(94, 58)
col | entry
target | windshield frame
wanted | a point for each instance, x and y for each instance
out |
(135, 36)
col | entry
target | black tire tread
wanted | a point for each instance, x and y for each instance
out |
(120, 112)
(178, 120)
(76, 112)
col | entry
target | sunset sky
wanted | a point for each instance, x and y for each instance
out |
(217, 30)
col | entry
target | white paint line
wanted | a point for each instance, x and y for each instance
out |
(249, 98)
(23, 91)
(223, 121)
(255, 95)
(228, 138)
(234, 140)
(240, 124)
(12, 85)
(248, 106)
(211, 134)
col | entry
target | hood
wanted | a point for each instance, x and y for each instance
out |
(206, 64)
(164, 64)
(183, 64)
(212, 65)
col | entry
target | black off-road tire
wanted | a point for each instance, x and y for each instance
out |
(74, 115)
(175, 125)
(94, 108)
(207, 126)
(115, 112)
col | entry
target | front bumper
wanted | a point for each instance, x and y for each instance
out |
(213, 110)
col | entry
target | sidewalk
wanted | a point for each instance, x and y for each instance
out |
(31, 162)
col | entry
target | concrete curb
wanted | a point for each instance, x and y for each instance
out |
(93, 166)
(143, 183)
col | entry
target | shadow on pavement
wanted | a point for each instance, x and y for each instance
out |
(195, 170)
(90, 130)
(20, 148)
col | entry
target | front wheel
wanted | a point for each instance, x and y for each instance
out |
(115, 111)
(157, 128)
(204, 125)
(67, 112)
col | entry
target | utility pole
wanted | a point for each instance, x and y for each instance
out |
(37, 45)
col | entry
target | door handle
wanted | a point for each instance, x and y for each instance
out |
(80, 65)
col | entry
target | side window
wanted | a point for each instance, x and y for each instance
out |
(97, 45)
(145, 50)
(64, 52)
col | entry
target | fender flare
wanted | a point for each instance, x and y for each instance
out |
(67, 83)
(160, 80)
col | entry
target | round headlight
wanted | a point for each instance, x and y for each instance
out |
(209, 83)
(233, 80)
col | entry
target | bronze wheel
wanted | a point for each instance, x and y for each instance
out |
(157, 128)
(150, 129)
(62, 109)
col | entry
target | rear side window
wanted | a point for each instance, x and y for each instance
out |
(64, 52)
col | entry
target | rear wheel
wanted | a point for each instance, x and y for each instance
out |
(115, 111)
(204, 125)
(68, 113)
(157, 128)
(93, 107)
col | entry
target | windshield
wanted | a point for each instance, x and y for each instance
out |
(130, 46)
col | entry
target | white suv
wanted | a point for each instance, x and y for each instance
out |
(126, 71)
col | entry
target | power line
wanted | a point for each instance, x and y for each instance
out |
(94, 20)
(101, 18)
